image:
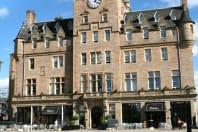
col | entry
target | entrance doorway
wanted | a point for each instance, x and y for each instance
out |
(155, 114)
(96, 116)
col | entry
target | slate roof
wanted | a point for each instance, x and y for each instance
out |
(66, 24)
(132, 18)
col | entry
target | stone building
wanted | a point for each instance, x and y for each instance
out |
(107, 61)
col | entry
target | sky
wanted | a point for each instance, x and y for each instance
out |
(13, 15)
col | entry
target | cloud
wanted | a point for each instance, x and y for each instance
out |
(191, 3)
(4, 84)
(4, 12)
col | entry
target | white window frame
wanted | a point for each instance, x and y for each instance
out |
(162, 32)
(85, 19)
(132, 78)
(84, 37)
(146, 33)
(84, 83)
(60, 41)
(95, 36)
(104, 17)
(83, 58)
(109, 79)
(130, 56)
(164, 53)
(95, 58)
(107, 35)
(31, 63)
(108, 57)
(47, 42)
(128, 34)
(176, 73)
(59, 60)
(148, 55)
(95, 83)
(56, 87)
(154, 76)
(31, 87)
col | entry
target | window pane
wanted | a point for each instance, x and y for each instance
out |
(129, 35)
(84, 37)
(60, 41)
(60, 61)
(127, 57)
(107, 35)
(55, 61)
(98, 57)
(148, 55)
(93, 58)
(146, 33)
(95, 33)
(133, 56)
(108, 56)
(128, 85)
(157, 83)
(151, 83)
(164, 54)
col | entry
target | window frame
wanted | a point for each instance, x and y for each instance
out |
(47, 42)
(83, 58)
(85, 19)
(156, 80)
(178, 81)
(84, 83)
(31, 87)
(31, 63)
(107, 57)
(107, 35)
(95, 36)
(108, 80)
(148, 55)
(162, 32)
(60, 41)
(128, 34)
(60, 62)
(146, 33)
(131, 82)
(164, 54)
(56, 87)
(84, 37)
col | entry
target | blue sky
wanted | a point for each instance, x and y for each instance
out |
(13, 14)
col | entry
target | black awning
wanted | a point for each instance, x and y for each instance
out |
(151, 107)
(51, 110)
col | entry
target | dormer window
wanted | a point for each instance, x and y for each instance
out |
(44, 28)
(57, 26)
(85, 19)
(32, 28)
(141, 18)
(173, 15)
(157, 17)
(104, 17)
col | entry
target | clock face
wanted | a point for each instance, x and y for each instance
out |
(94, 3)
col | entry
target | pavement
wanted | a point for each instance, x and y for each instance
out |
(87, 130)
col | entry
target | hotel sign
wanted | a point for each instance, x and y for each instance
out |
(151, 107)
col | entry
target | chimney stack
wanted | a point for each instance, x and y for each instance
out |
(184, 4)
(30, 17)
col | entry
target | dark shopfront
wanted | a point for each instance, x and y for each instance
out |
(182, 110)
(155, 114)
(48, 115)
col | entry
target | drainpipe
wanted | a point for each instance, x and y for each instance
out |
(178, 55)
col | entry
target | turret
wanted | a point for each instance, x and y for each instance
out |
(186, 24)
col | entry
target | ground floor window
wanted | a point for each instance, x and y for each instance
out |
(131, 113)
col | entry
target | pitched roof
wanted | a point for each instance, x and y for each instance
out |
(66, 24)
(166, 15)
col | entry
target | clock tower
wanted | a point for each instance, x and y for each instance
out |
(96, 60)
